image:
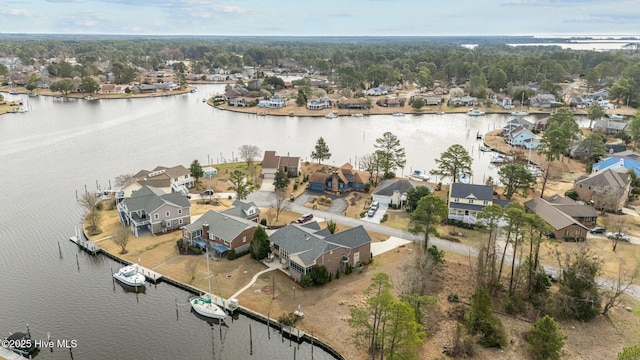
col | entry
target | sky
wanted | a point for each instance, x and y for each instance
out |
(322, 18)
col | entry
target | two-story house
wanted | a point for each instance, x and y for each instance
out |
(245, 210)
(299, 248)
(219, 231)
(467, 200)
(320, 103)
(583, 213)
(272, 162)
(150, 209)
(173, 179)
(605, 189)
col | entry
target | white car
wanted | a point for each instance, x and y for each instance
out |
(619, 236)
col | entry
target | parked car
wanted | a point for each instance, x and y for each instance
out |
(374, 205)
(304, 218)
(208, 192)
(597, 230)
(371, 212)
(619, 236)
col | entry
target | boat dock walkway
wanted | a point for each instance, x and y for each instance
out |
(9, 355)
(86, 245)
(151, 275)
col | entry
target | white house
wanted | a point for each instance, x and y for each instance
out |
(524, 138)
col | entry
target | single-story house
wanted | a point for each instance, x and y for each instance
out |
(464, 101)
(617, 163)
(584, 214)
(394, 192)
(610, 126)
(151, 209)
(543, 100)
(357, 103)
(301, 247)
(564, 226)
(240, 101)
(605, 188)
(342, 179)
(222, 232)
(377, 91)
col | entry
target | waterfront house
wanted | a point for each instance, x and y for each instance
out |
(342, 179)
(516, 123)
(276, 101)
(357, 103)
(173, 179)
(301, 247)
(150, 209)
(429, 100)
(145, 89)
(391, 102)
(247, 210)
(393, 192)
(543, 100)
(524, 138)
(320, 103)
(219, 231)
(607, 188)
(467, 200)
(239, 101)
(111, 89)
(272, 162)
(464, 101)
(564, 226)
(503, 101)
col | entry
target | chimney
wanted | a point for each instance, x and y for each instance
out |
(205, 230)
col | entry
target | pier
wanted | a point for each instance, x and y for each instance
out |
(9, 355)
(151, 275)
(86, 245)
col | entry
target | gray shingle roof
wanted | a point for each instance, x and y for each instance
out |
(223, 226)
(610, 178)
(464, 191)
(556, 218)
(242, 209)
(387, 187)
(149, 199)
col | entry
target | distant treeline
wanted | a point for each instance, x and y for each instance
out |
(353, 62)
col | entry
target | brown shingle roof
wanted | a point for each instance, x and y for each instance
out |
(270, 160)
(318, 177)
(556, 218)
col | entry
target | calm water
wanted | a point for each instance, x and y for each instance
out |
(61, 146)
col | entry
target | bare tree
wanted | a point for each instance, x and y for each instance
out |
(121, 238)
(249, 153)
(93, 219)
(616, 287)
(192, 268)
(617, 225)
(416, 274)
(280, 204)
(123, 180)
(370, 164)
(88, 201)
(607, 199)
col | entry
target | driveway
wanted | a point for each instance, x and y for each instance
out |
(267, 183)
(382, 209)
(393, 242)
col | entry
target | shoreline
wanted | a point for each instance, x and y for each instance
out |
(252, 314)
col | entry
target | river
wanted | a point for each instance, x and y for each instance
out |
(59, 147)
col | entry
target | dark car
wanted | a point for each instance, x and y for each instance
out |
(597, 230)
(304, 218)
(208, 192)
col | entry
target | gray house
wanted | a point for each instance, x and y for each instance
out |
(151, 209)
(245, 210)
(394, 192)
(300, 248)
(222, 232)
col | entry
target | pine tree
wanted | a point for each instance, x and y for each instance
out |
(321, 151)
(546, 340)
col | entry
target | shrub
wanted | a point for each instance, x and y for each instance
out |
(384, 217)
(231, 254)
(337, 274)
(363, 214)
(323, 198)
(480, 320)
(436, 254)
(295, 187)
(315, 198)
(287, 319)
(306, 280)
(546, 340)
(99, 205)
(328, 201)
(571, 194)
(366, 187)
(263, 222)
(195, 250)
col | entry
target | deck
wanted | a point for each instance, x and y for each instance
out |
(86, 245)
(151, 275)
(9, 355)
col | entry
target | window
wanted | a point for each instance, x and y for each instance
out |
(567, 233)
(485, 202)
(580, 186)
(167, 213)
(456, 199)
(589, 187)
(176, 179)
(197, 233)
(244, 239)
(186, 176)
(227, 243)
(211, 236)
(180, 221)
(470, 201)
(179, 211)
(156, 216)
(168, 223)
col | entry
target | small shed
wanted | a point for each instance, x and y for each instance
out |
(209, 172)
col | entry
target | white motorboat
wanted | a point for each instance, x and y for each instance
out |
(615, 116)
(475, 112)
(331, 115)
(420, 175)
(440, 113)
(19, 109)
(205, 304)
(357, 115)
(485, 148)
(398, 114)
(500, 158)
(129, 275)
(519, 113)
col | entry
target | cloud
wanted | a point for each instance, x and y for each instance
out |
(16, 12)
(606, 18)
(234, 10)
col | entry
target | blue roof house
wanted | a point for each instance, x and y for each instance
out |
(617, 164)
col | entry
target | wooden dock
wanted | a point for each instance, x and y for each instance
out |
(151, 275)
(9, 355)
(86, 245)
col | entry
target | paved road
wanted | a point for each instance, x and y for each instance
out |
(264, 199)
